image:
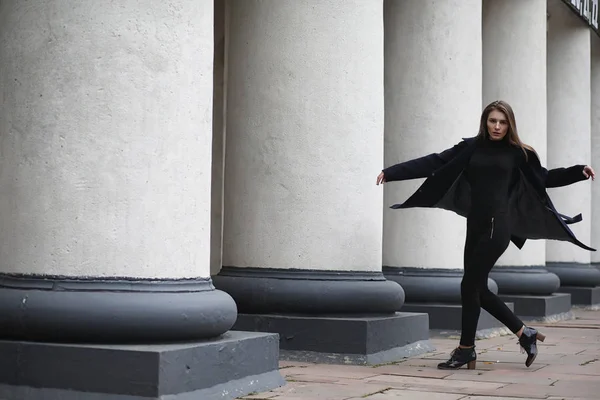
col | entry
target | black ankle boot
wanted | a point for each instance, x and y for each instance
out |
(460, 357)
(528, 342)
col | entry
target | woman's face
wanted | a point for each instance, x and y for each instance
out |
(497, 125)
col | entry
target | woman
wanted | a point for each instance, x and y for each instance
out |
(498, 184)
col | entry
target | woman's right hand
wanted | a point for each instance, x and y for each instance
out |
(380, 178)
(589, 171)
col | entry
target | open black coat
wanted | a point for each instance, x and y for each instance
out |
(532, 213)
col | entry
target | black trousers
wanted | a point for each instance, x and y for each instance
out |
(487, 238)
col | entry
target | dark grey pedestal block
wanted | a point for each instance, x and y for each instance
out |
(534, 307)
(584, 296)
(236, 364)
(448, 316)
(344, 339)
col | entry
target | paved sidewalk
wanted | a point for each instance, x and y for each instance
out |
(568, 367)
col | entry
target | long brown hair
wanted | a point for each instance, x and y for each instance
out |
(513, 134)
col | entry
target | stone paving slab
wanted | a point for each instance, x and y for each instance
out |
(412, 395)
(567, 368)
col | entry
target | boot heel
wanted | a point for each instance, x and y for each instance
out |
(540, 337)
(471, 364)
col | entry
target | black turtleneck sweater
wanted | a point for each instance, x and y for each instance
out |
(492, 170)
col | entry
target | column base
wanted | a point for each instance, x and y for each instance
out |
(583, 296)
(520, 280)
(234, 365)
(448, 316)
(309, 292)
(112, 310)
(539, 307)
(344, 339)
(430, 285)
(575, 274)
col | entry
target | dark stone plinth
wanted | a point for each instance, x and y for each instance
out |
(236, 364)
(582, 296)
(344, 339)
(448, 316)
(536, 307)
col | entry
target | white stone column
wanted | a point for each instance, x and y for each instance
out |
(105, 206)
(303, 216)
(569, 137)
(304, 135)
(106, 124)
(514, 70)
(595, 158)
(433, 100)
(433, 76)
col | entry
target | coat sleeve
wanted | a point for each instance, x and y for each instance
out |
(421, 167)
(558, 177)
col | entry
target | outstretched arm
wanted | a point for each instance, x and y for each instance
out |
(558, 177)
(420, 167)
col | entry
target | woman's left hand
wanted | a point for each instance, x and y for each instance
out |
(589, 171)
